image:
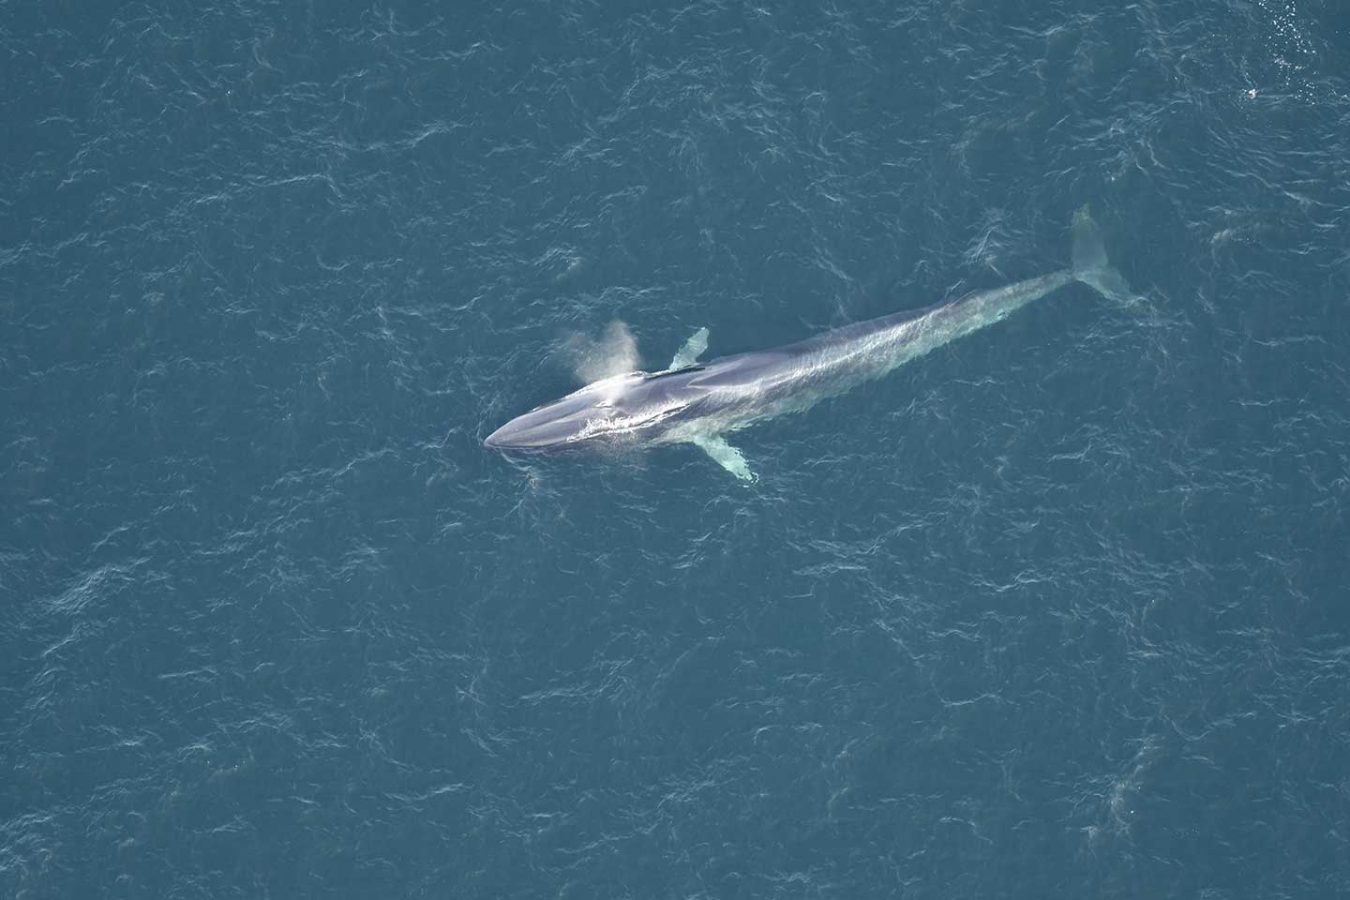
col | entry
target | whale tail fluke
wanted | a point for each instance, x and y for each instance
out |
(1090, 264)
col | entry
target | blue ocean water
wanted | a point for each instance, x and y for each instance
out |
(1057, 611)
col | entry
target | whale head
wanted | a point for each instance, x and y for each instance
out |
(635, 406)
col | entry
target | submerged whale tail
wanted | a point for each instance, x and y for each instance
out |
(1090, 264)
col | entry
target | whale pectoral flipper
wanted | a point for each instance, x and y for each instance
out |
(726, 456)
(691, 351)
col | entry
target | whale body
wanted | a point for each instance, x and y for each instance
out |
(701, 403)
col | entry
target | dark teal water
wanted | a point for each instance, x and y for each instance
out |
(1057, 611)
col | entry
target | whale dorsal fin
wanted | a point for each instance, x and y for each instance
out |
(726, 456)
(691, 351)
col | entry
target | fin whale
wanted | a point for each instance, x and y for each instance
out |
(701, 403)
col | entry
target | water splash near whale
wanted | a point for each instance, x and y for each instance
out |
(594, 359)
